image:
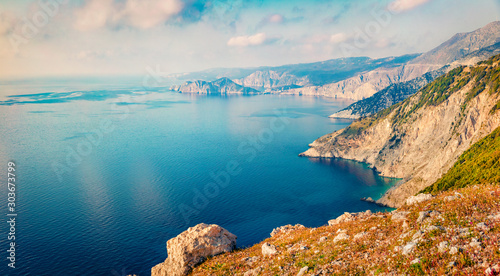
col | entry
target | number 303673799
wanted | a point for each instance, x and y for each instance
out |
(11, 185)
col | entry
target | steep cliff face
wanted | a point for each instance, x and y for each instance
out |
(420, 139)
(388, 96)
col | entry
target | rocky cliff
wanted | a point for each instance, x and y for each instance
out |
(271, 79)
(420, 139)
(388, 96)
(220, 86)
(192, 247)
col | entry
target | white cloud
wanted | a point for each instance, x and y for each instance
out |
(338, 38)
(6, 22)
(144, 14)
(244, 41)
(404, 5)
(276, 18)
(94, 14)
(149, 13)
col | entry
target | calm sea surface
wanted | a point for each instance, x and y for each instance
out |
(105, 176)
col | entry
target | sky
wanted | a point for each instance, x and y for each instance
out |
(126, 37)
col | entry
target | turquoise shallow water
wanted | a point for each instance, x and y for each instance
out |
(106, 177)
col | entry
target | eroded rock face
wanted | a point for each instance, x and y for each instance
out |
(420, 148)
(192, 247)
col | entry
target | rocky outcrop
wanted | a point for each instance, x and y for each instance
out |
(271, 79)
(350, 217)
(192, 247)
(419, 139)
(220, 86)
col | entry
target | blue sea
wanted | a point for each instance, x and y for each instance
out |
(106, 174)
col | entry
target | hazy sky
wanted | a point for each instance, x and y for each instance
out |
(95, 37)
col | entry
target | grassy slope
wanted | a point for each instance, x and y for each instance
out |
(484, 75)
(478, 165)
(379, 250)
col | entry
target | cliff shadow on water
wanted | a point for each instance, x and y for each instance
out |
(361, 173)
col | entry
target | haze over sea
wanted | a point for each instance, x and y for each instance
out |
(106, 175)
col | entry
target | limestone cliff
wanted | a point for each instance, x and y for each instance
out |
(420, 138)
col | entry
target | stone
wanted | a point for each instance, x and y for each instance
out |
(346, 217)
(494, 216)
(253, 272)
(422, 216)
(435, 228)
(454, 250)
(418, 198)
(360, 235)
(491, 271)
(475, 243)
(322, 239)
(341, 237)
(268, 249)
(415, 261)
(286, 229)
(408, 248)
(443, 246)
(250, 260)
(482, 226)
(399, 215)
(302, 271)
(192, 247)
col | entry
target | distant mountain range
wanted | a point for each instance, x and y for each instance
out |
(461, 49)
(356, 78)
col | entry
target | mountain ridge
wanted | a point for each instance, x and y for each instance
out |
(420, 138)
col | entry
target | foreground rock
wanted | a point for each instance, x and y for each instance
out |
(192, 247)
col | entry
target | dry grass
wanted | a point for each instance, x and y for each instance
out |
(379, 251)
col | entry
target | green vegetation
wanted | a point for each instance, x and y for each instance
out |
(486, 75)
(480, 164)
(374, 244)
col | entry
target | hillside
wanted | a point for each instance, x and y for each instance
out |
(220, 86)
(480, 164)
(456, 233)
(388, 96)
(460, 45)
(420, 138)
